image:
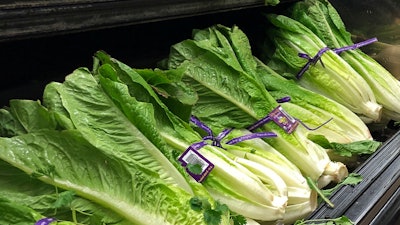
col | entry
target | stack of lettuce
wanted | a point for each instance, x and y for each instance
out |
(79, 157)
(104, 146)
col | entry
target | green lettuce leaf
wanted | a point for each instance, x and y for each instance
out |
(23, 192)
(357, 148)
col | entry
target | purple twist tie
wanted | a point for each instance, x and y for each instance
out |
(311, 61)
(315, 128)
(268, 118)
(284, 99)
(198, 145)
(317, 57)
(251, 136)
(216, 141)
(355, 46)
(201, 125)
(259, 123)
(45, 221)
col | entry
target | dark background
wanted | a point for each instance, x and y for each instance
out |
(37, 54)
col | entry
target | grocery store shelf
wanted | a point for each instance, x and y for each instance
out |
(31, 18)
(374, 201)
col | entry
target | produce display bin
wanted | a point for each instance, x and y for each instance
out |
(43, 41)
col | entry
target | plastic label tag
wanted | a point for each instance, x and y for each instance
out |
(283, 119)
(191, 156)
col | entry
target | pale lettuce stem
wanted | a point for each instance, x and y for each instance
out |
(266, 175)
(290, 176)
(309, 157)
(251, 210)
(296, 212)
(299, 211)
(334, 172)
(330, 130)
(297, 188)
(241, 179)
(384, 85)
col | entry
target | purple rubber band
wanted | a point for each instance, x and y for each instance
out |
(216, 141)
(317, 57)
(45, 221)
(251, 136)
(220, 136)
(259, 123)
(283, 100)
(355, 46)
(311, 61)
(201, 125)
(196, 146)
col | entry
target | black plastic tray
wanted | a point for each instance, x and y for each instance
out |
(376, 200)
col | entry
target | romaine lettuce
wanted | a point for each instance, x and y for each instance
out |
(331, 76)
(219, 65)
(229, 182)
(324, 20)
(105, 159)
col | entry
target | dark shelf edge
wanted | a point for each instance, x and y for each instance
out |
(381, 180)
(49, 19)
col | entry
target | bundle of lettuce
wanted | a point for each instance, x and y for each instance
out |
(106, 146)
(82, 157)
(274, 188)
(253, 179)
(333, 126)
(103, 149)
(219, 66)
(319, 68)
(324, 20)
